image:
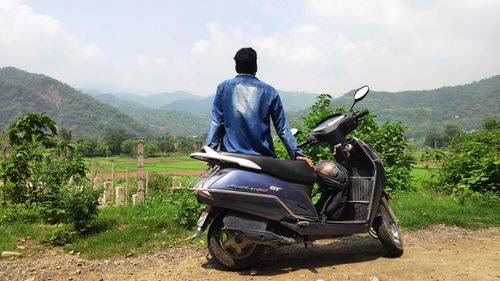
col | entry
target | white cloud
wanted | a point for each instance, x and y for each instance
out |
(333, 46)
(416, 44)
(39, 43)
(200, 47)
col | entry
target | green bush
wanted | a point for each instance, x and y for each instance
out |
(160, 183)
(22, 213)
(45, 174)
(187, 208)
(471, 164)
(62, 234)
(80, 206)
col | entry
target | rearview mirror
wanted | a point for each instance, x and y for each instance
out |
(359, 95)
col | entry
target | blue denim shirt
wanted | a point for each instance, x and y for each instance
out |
(241, 113)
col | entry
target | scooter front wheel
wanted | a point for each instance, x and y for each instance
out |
(388, 231)
(232, 252)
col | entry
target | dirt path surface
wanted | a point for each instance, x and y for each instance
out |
(440, 253)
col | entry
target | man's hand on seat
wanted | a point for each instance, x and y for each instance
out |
(303, 158)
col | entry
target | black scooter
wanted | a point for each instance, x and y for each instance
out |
(257, 202)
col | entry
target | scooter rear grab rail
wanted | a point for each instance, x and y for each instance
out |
(209, 154)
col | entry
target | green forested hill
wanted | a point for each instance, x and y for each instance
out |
(21, 91)
(420, 111)
(153, 101)
(177, 122)
(292, 101)
(430, 110)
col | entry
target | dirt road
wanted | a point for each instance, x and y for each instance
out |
(440, 253)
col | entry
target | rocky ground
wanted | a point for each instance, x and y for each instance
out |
(440, 253)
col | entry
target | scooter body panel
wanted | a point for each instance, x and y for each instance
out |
(260, 194)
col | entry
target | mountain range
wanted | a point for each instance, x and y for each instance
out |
(430, 110)
(91, 113)
(84, 116)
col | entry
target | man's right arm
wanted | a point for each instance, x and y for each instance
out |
(216, 128)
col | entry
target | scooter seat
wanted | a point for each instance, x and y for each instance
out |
(291, 170)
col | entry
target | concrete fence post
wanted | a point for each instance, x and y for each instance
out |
(107, 193)
(120, 196)
(134, 199)
(127, 187)
(140, 170)
(113, 178)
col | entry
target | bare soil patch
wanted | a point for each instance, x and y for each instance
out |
(440, 253)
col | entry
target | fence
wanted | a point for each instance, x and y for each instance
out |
(119, 193)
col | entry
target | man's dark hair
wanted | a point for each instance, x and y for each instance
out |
(246, 61)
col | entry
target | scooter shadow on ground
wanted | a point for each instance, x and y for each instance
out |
(323, 253)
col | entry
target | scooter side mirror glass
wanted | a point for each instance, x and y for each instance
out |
(294, 131)
(361, 93)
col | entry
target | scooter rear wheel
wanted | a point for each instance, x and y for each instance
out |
(232, 252)
(388, 232)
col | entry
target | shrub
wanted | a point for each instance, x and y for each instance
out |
(62, 234)
(22, 213)
(159, 182)
(471, 164)
(43, 173)
(187, 208)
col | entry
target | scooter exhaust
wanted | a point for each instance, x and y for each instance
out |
(252, 228)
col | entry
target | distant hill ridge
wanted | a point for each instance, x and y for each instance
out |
(153, 101)
(421, 111)
(292, 101)
(21, 92)
(429, 110)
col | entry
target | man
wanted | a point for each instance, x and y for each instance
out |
(242, 110)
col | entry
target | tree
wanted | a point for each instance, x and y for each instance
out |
(87, 147)
(186, 144)
(151, 148)
(113, 139)
(491, 123)
(167, 143)
(129, 147)
(65, 134)
(435, 139)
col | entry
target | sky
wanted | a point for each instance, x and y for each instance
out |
(317, 46)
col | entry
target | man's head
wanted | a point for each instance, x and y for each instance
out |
(246, 61)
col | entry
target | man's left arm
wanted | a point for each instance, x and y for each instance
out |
(216, 128)
(284, 132)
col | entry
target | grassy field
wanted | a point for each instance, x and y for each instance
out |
(421, 175)
(156, 164)
(422, 209)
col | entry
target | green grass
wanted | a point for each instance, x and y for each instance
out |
(157, 164)
(11, 233)
(122, 230)
(117, 231)
(422, 209)
(421, 175)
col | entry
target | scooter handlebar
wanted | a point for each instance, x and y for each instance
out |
(362, 113)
